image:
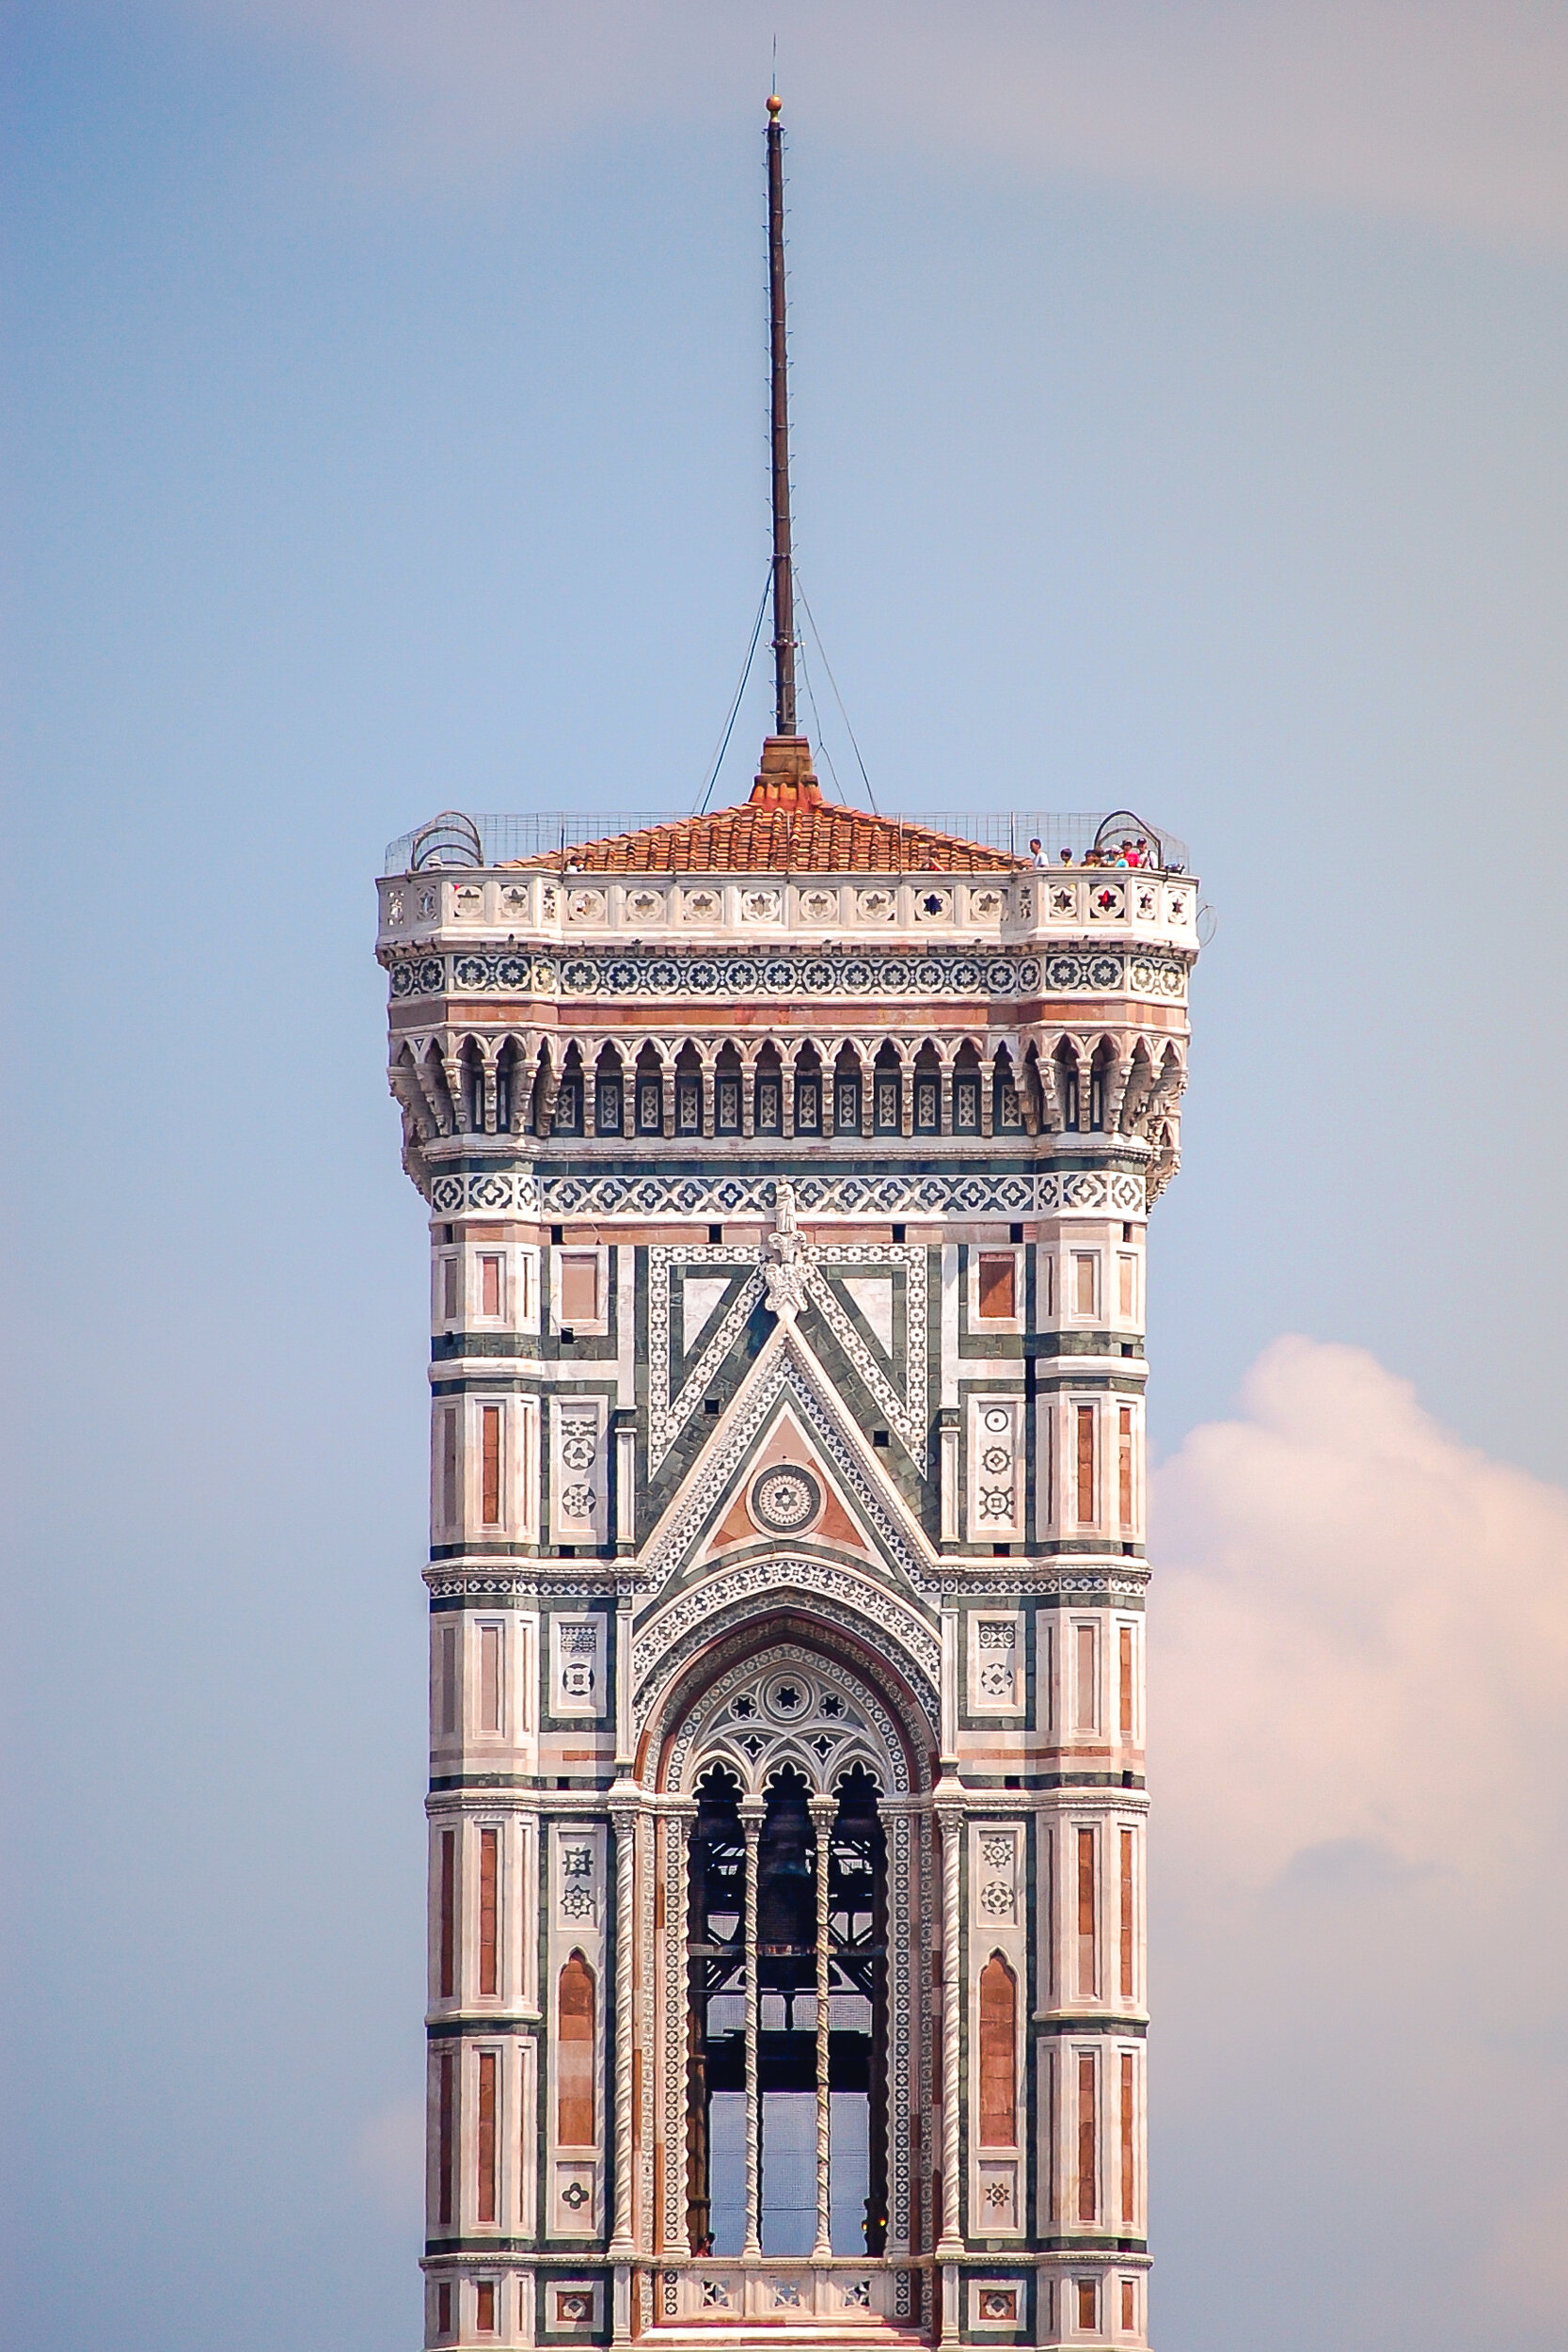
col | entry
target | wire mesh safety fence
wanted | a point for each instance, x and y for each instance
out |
(456, 839)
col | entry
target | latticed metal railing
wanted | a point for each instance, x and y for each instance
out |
(461, 840)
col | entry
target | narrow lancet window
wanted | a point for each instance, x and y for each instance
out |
(1088, 2146)
(448, 1681)
(490, 1465)
(580, 1287)
(490, 1650)
(996, 1286)
(446, 1917)
(574, 2113)
(450, 1512)
(998, 2055)
(1085, 1466)
(1086, 1710)
(485, 2200)
(446, 2132)
(1088, 1958)
(489, 1861)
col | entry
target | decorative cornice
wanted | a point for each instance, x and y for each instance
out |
(696, 1196)
(790, 973)
(1028, 1579)
(549, 1579)
(554, 1579)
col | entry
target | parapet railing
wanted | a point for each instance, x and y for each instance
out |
(456, 839)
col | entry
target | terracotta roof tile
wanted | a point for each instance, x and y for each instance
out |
(753, 839)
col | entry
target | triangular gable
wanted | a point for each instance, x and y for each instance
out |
(844, 1284)
(700, 1295)
(872, 1298)
(768, 1479)
(785, 1374)
(685, 1351)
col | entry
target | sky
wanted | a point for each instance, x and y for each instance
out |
(1179, 400)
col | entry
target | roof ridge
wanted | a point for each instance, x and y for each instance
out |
(753, 836)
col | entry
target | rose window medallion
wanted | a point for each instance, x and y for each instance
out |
(786, 1501)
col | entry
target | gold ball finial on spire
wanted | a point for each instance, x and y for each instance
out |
(775, 104)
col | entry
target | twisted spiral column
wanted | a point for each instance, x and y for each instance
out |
(752, 1810)
(623, 1817)
(824, 1811)
(949, 1821)
(677, 1831)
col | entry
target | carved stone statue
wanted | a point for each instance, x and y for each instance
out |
(784, 1259)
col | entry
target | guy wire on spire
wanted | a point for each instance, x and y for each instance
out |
(784, 582)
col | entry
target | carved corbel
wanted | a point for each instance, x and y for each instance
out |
(1048, 1077)
(1118, 1077)
(1140, 1087)
(431, 1079)
(452, 1070)
(403, 1082)
(489, 1048)
(546, 1087)
(1029, 1094)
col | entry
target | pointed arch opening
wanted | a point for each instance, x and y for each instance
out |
(568, 1110)
(716, 1959)
(728, 1092)
(507, 1066)
(858, 2018)
(689, 1091)
(967, 1082)
(928, 1090)
(471, 1064)
(887, 1092)
(768, 1097)
(787, 1912)
(649, 1083)
(608, 1094)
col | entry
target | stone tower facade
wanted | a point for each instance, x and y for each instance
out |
(788, 1173)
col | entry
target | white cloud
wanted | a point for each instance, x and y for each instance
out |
(1360, 1763)
(1374, 1614)
(1445, 111)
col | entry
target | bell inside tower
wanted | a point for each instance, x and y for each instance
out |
(789, 2084)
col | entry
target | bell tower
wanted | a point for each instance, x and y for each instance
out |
(788, 1172)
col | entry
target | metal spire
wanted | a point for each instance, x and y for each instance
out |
(783, 575)
(785, 778)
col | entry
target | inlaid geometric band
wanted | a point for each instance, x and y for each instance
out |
(1095, 972)
(920, 1194)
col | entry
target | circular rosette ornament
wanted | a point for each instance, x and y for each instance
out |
(786, 1501)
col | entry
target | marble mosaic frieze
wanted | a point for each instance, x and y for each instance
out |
(700, 1194)
(725, 976)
